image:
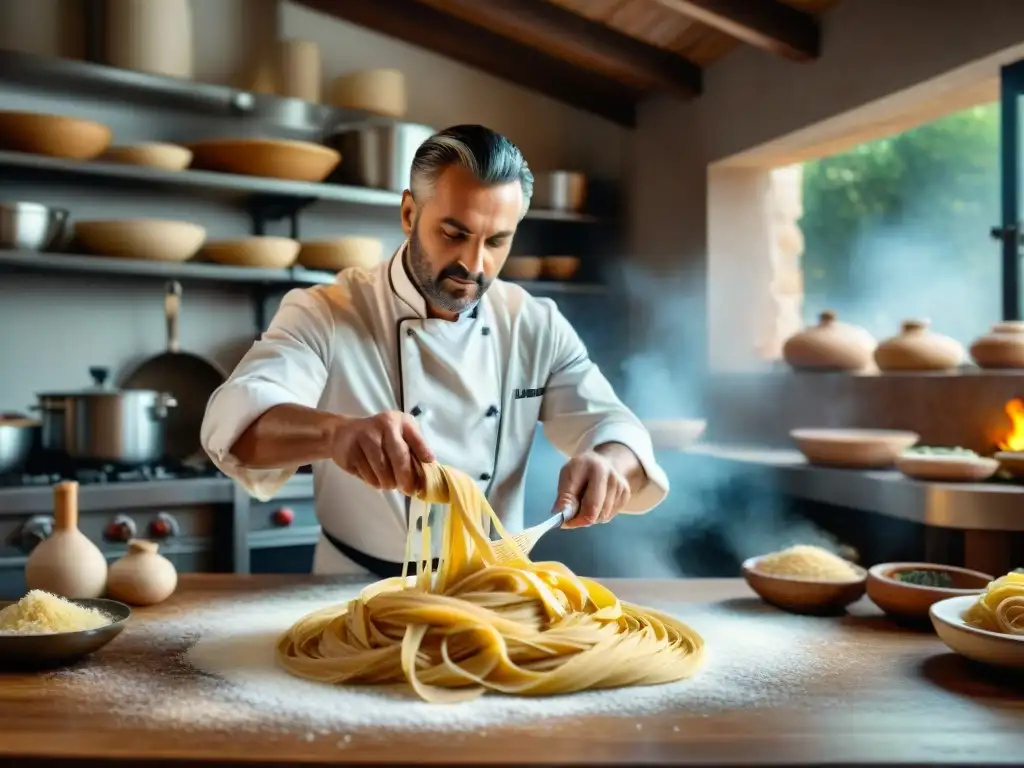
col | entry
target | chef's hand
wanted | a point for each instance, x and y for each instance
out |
(594, 482)
(382, 449)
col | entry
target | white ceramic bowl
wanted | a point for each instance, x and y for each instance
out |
(853, 448)
(979, 645)
(674, 434)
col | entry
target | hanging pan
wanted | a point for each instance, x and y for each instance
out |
(191, 379)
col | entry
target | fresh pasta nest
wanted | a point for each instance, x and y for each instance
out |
(523, 628)
(1001, 607)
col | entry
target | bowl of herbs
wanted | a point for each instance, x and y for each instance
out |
(905, 591)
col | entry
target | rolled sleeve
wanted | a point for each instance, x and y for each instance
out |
(288, 365)
(637, 439)
(581, 411)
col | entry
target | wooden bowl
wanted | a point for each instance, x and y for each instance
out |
(53, 135)
(992, 648)
(343, 253)
(674, 434)
(1011, 462)
(561, 267)
(804, 595)
(853, 448)
(270, 158)
(947, 469)
(522, 268)
(166, 157)
(262, 252)
(910, 602)
(28, 652)
(149, 239)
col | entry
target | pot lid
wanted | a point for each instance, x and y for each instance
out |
(99, 388)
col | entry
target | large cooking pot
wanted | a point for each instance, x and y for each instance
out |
(377, 156)
(17, 436)
(103, 424)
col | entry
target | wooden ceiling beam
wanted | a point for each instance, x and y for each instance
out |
(430, 29)
(542, 23)
(765, 24)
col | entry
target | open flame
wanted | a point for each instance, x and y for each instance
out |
(1015, 439)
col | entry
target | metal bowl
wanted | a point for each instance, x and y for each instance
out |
(30, 652)
(32, 227)
(17, 437)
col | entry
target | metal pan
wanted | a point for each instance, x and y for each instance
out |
(19, 653)
(191, 379)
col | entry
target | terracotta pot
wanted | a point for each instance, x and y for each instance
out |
(829, 346)
(142, 576)
(1002, 347)
(66, 563)
(916, 348)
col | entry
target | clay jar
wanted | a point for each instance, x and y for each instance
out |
(142, 576)
(831, 345)
(916, 348)
(1002, 347)
(66, 563)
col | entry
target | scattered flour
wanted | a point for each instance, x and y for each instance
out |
(754, 658)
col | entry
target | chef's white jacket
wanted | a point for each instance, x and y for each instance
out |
(477, 388)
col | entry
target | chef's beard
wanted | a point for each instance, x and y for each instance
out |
(433, 287)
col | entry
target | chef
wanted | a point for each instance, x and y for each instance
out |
(429, 357)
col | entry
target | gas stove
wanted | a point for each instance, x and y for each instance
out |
(106, 473)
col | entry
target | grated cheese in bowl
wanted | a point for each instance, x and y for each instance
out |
(42, 613)
(807, 562)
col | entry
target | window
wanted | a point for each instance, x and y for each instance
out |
(899, 228)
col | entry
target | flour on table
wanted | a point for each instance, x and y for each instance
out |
(751, 660)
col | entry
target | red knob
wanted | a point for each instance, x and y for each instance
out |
(283, 517)
(121, 529)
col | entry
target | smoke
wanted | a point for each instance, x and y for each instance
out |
(718, 512)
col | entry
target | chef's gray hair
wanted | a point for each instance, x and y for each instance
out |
(488, 155)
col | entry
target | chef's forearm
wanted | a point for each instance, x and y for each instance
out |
(626, 463)
(287, 436)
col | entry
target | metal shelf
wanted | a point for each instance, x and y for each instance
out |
(219, 184)
(215, 183)
(31, 261)
(85, 78)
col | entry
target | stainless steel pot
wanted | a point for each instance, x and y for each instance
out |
(378, 156)
(32, 227)
(559, 191)
(16, 438)
(102, 424)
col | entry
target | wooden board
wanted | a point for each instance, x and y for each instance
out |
(910, 702)
(652, 23)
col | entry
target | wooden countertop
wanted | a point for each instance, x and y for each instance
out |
(936, 709)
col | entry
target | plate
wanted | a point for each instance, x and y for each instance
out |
(992, 648)
(947, 469)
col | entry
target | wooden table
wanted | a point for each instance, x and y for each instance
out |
(938, 710)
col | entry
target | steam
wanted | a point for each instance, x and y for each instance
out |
(909, 270)
(717, 510)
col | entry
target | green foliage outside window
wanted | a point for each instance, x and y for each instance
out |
(899, 228)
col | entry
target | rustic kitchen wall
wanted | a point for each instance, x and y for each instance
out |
(56, 328)
(872, 50)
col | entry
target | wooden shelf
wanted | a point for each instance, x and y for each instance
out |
(76, 264)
